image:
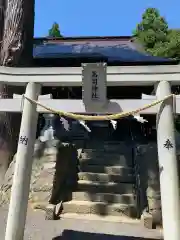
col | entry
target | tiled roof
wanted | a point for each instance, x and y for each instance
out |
(121, 49)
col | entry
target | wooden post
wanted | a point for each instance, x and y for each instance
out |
(22, 173)
(169, 181)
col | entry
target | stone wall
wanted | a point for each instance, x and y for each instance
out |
(150, 201)
(52, 166)
(146, 156)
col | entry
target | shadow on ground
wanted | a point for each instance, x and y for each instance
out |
(70, 234)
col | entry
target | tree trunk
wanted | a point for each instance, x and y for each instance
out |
(17, 46)
(2, 10)
(16, 50)
(5, 134)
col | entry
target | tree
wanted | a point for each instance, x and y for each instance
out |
(17, 45)
(155, 36)
(4, 118)
(2, 10)
(16, 50)
(152, 31)
(173, 44)
(55, 31)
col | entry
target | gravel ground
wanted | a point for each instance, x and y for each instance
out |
(37, 228)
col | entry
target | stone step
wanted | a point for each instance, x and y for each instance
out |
(114, 142)
(110, 187)
(95, 217)
(99, 208)
(109, 149)
(104, 197)
(106, 169)
(104, 177)
(101, 153)
(101, 144)
(107, 160)
(77, 137)
(118, 149)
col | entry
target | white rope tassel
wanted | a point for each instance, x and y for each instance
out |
(84, 125)
(114, 124)
(139, 118)
(65, 123)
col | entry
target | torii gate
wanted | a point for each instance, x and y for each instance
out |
(160, 76)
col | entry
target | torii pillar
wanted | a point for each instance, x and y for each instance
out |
(23, 167)
(169, 181)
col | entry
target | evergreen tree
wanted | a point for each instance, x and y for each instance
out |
(152, 31)
(155, 36)
(55, 31)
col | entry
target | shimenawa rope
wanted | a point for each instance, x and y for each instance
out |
(102, 117)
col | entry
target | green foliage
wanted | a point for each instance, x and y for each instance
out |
(173, 46)
(55, 31)
(153, 34)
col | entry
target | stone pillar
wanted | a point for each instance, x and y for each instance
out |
(168, 167)
(22, 174)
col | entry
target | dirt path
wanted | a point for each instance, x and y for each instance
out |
(37, 228)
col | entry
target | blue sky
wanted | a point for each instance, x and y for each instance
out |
(99, 17)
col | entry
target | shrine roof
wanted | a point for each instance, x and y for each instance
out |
(121, 49)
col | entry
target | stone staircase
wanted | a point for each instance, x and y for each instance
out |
(106, 182)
